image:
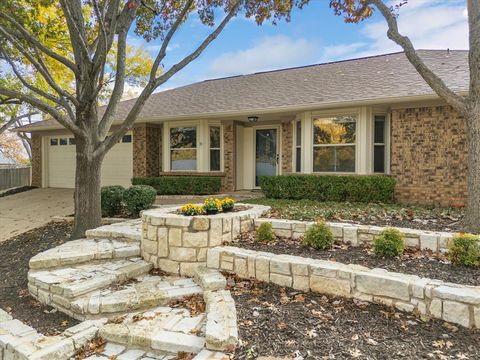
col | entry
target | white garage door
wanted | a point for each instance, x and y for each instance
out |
(117, 167)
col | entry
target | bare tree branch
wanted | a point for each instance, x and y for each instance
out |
(14, 119)
(40, 105)
(151, 86)
(76, 30)
(36, 43)
(434, 81)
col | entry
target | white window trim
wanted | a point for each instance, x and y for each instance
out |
(202, 148)
(296, 146)
(332, 114)
(386, 143)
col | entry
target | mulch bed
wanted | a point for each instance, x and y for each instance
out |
(17, 190)
(422, 263)
(14, 296)
(274, 321)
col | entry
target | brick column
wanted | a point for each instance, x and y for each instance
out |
(287, 143)
(228, 182)
(147, 150)
(36, 160)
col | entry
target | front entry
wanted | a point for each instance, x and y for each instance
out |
(266, 153)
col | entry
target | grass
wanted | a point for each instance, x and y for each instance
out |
(357, 212)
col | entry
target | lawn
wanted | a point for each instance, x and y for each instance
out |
(411, 216)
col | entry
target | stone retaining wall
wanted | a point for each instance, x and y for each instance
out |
(430, 298)
(178, 244)
(360, 234)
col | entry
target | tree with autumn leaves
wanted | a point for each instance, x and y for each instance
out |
(88, 33)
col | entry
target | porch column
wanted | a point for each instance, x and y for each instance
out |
(36, 160)
(147, 147)
(228, 183)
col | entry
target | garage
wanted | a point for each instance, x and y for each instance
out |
(60, 166)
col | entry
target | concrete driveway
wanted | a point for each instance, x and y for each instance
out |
(30, 209)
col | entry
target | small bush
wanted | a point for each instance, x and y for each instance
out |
(319, 236)
(182, 185)
(138, 198)
(390, 242)
(227, 204)
(265, 233)
(212, 206)
(352, 188)
(464, 249)
(192, 209)
(111, 199)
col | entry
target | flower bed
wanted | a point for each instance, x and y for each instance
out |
(210, 206)
(410, 293)
(415, 262)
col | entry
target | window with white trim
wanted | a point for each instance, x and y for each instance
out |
(298, 146)
(379, 148)
(183, 148)
(334, 143)
(215, 143)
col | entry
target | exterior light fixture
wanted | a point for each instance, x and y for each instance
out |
(253, 119)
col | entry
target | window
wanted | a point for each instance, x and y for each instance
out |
(183, 148)
(53, 142)
(214, 148)
(334, 144)
(379, 137)
(71, 141)
(63, 141)
(127, 139)
(298, 146)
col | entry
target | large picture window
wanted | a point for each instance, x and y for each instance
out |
(214, 148)
(379, 137)
(334, 143)
(183, 148)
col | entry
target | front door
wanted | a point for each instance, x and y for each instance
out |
(266, 153)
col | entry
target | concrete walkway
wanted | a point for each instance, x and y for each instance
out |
(30, 209)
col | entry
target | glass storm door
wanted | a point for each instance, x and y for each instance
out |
(266, 155)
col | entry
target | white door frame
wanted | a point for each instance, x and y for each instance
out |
(279, 148)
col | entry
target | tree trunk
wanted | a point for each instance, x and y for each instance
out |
(88, 213)
(471, 221)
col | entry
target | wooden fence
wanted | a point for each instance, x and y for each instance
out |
(14, 177)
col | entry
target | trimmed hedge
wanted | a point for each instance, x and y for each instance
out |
(138, 198)
(372, 188)
(111, 199)
(182, 185)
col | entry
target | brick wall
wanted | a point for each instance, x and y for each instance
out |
(429, 155)
(287, 144)
(147, 150)
(36, 160)
(228, 182)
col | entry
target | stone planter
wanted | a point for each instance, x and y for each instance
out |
(178, 244)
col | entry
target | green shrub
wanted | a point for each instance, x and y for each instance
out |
(319, 236)
(111, 199)
(265, 233)
(138, 198)
(372, 188)
(182, 185)
(390, 242)
(464, 249)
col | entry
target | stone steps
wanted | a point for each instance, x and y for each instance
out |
(141, 293)
(161, 330)
(130, 231)
(22, 342)
(221, 328)
(60, 286)
(83, 251)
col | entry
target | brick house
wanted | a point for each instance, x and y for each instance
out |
(371, 115)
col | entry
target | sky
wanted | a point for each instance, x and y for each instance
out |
(314, 35)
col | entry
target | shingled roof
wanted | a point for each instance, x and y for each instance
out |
(381, 77)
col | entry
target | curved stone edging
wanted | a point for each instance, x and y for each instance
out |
(178, 244)
(428, 297)
(356, 234)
